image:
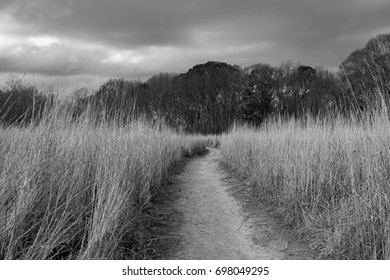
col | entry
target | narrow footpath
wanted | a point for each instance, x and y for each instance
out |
(214, 224)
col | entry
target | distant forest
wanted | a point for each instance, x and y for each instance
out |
(210, 97)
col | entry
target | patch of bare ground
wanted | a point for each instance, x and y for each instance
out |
(269, 228)
(208, 214)
(161, 219)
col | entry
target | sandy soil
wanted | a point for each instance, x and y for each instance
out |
(215, 226)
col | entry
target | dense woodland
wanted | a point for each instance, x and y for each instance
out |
(210, 97)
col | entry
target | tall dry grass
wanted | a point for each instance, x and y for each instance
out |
(331, 177)
(76, 189)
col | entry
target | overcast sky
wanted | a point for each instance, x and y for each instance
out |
(138, 38)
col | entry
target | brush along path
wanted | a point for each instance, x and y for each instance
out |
(214, 226)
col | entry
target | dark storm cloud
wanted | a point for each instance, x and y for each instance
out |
(141, 37)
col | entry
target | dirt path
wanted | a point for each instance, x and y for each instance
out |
(214, 225)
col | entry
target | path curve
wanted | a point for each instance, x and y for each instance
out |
(214, 225)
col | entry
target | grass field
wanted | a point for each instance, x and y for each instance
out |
(76, 190)
(330, 178)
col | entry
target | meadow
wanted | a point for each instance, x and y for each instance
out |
(327, 177)
(79, 188)
(76, 189)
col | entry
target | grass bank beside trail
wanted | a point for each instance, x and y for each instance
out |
(332, 178)
(76, 190)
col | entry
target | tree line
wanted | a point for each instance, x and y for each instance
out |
(210, 97)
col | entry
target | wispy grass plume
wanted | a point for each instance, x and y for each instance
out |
(74, 189)
(331, 177)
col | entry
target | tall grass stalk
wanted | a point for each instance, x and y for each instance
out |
(74, 189)
(331, 177)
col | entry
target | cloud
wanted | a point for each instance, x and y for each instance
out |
(141, 37)
(44, 41)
